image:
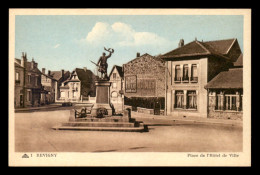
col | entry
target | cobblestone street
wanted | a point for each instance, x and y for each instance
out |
(34, 133)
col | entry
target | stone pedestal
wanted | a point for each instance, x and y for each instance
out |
(102, 97)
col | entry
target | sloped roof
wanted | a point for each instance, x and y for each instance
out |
(239, 61)
(191, 48)
(144, 55)
(17, 65)
(57, 74)
(231, 79)
(198, 48)
(119, 70)
(49, 76)
(84, 75)
(221, 46)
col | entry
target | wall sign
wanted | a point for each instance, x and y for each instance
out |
(130, 84)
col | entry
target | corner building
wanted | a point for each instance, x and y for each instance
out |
(188, 70)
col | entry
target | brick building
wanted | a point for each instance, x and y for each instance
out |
(79, 86)
(116, 77)
(144, 84)
(27, 82)
(189, 68)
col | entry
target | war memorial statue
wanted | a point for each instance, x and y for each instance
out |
(102, 63)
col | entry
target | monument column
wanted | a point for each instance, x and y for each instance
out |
(102, 97)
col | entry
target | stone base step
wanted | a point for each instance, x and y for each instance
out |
(122, 129)
(102, 124)
(107, 119)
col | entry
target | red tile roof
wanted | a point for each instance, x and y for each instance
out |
(231, 79)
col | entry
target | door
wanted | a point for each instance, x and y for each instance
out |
(21, 100)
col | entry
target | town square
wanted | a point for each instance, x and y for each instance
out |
(90, 83)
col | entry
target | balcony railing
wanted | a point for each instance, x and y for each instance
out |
(177, 79)
(185, 79)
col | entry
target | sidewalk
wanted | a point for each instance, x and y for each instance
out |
(170, 120)
(54, 105)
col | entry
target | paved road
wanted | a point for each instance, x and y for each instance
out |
(33, 133)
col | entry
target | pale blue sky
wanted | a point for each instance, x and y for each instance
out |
(66, 42)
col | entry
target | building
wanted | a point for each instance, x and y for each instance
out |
(189, 69)
(226, 93)
(27, 82)
(79, 86)
(144, 79)
(116, 77)
(19, 84)
(59, 76)
(48, 87)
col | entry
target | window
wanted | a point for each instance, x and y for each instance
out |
(28, 95)
(17, 76)
(62, 94)
(179, 99)
(114, 94)
(114, 75)
(74, 94)
(194, 73)
(192, 100)
(185, 72)
(36, 81)
(230, 102)
(177, 73)
(219, 102)
(29, 79)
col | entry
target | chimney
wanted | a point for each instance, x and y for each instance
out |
(43, 70)
(23, 60)
(181, 43)
(137, 54)
(32, 63)
(85, 69)
(62, 73)
(49, 72)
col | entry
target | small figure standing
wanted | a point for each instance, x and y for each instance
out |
(102, 63)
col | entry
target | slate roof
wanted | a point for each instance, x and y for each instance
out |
(231, 79)
(198, 48)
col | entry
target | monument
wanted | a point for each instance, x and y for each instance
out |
(102, 106)
(99, 116)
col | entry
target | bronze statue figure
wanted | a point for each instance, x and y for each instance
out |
(102, 63)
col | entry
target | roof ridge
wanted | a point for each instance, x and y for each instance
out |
(219, 40)
(178, 48)
(201, 45)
